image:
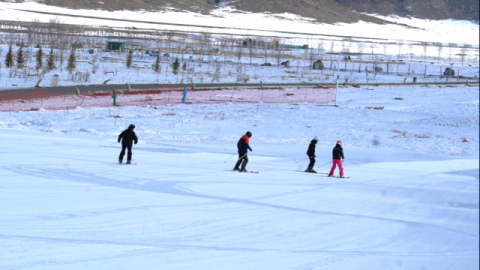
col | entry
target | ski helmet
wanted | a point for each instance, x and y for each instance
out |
(339, 142)
(249, 134)
(132, 126)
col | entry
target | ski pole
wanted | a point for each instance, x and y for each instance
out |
(229, 158)
(324, 164)
(298, 161)
(110, 145)
(243, 156)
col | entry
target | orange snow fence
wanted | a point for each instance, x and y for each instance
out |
(39, 100)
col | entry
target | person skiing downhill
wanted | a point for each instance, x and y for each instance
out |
(311, 155)
(337, 159)
(127, 137)
(243, 146)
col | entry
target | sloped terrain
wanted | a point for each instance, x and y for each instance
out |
(191, 5)
(428, 9)
(326, 11)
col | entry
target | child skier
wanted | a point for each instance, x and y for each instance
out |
(337, 159)
(311, 155)
(243, 146)
(127, 137)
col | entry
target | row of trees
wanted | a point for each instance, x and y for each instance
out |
(18, 59)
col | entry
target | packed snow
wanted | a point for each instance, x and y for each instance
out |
(412, 201)
(412, 155)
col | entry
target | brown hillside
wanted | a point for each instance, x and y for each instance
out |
(327, 11)
(425, 9)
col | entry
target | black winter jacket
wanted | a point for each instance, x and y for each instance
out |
(311, 149)
(127, 137)
(338, 152)
(244, 145)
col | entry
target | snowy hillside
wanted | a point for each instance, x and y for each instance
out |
(411, 148)
(412, 201)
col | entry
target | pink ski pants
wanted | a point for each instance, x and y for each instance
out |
(337, 162)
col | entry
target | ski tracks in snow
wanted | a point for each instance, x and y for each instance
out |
(177, 188)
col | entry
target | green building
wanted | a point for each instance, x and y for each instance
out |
(115, 46)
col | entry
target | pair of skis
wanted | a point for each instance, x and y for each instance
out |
(243, 172)
(256, 172)
(326, 174)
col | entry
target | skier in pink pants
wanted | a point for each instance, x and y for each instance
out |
(337, 159)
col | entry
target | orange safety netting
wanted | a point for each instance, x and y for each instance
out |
(157, 97)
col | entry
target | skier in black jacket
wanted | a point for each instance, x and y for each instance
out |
(311, 155)
(127, 137)
(243, 146)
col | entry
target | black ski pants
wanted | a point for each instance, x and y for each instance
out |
(312, 163)
(122, 154)
(242, 161)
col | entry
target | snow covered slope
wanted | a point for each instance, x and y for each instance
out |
(412, 201)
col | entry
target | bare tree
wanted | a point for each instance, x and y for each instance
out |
(439, 51)
(400, 44)
(462, 55)
(410, 49)
(360, 48)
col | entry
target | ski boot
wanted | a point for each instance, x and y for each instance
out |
(129, 162)
(120, 161)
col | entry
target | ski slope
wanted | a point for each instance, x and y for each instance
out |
(412, 201)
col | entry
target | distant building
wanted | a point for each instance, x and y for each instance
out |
(115, 46)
